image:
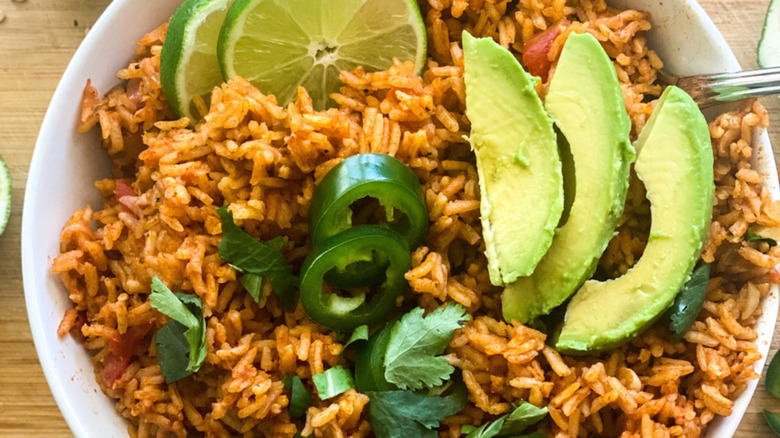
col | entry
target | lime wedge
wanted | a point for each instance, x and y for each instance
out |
(280, 44)
(5, 194)
(188, 63)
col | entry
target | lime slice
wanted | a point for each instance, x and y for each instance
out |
(5, 194)
(188, 63)
(280, 44)
(769, 45)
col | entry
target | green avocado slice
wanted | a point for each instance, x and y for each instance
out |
(517, 160)
(586, 103)
(675, 163)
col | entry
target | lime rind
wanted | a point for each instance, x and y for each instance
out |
(188, 63)
(280, 45)
(5, 194)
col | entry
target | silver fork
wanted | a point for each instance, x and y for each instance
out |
(709, 90)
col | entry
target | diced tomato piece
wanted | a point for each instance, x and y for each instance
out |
(536, 52)
(122, 349)
(114, 367)
(123, 189)
(123, 345)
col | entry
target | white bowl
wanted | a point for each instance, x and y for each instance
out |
(65, 165)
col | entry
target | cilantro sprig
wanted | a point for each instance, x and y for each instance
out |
(256, 260)
(412, 358)
(512, 424)
(404, 376)
(181, 344)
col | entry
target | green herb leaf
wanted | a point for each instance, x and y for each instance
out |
(411, 359)
(688, 302)
(467, 429)
(512, 424)
(773, 376)
(773, 420)
(172, 351)
(249, 256)
(169, 304)
(254, 285)
(404, 414)
(187, 327)
(333, 382)
(300, 399)
(358, 335)
(751, 236)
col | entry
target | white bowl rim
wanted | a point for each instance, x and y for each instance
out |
(71, 413)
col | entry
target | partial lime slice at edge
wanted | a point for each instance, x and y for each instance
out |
(188, 62)
(5, 194)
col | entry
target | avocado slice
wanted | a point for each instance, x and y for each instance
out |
(586, 103)
(675, 163)
(517, 160)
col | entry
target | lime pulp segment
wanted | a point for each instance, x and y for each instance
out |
(279, 45)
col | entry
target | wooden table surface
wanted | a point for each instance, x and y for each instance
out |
(37, 39)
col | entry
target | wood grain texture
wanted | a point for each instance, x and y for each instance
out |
(37, 39)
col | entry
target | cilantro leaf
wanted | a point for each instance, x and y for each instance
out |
(689, 302)
(168, 303)
(187, 328)
(405, 414)
(521, 417)
(751, 236)
(300, 399)
(411, 359)
(358, 335)
(256, 259)
(172, 351)
(333, 382)
(512, 424)
(254, 285)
